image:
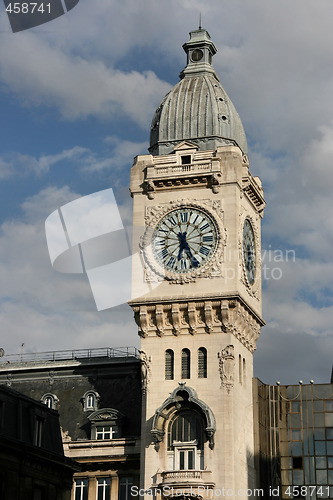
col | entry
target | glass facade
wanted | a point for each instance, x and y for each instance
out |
(296, 439)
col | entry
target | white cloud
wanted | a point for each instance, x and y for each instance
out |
(40, 307)
(44, 75)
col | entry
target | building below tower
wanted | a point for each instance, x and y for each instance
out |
(98, 395)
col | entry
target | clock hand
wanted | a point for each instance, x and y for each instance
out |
(181, 245)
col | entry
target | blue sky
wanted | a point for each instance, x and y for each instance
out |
(77, 96)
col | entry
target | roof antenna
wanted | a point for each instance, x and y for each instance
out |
(200, 21)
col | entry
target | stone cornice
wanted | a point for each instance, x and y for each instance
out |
(225, 315)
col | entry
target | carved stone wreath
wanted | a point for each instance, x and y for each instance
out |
(211, 269)
(254, 289)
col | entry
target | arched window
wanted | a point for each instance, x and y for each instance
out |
(90, 401)
(186, 363)
(50, 400)
(244, 373)
(185, 441)
(240, 369)
(169, 364)
(202, 362)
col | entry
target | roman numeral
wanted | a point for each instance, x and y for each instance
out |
(184, 216)
(207, 238)
(172, 221)
(204, 226)
(204, 250)
(171, 262)
(159, 243)
(183, 265)
(163, 254)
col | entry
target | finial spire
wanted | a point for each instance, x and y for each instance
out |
(200, 21)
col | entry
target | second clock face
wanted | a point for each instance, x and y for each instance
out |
(249, 251)
(184, 240)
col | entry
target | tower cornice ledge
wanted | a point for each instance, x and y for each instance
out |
(209, 315)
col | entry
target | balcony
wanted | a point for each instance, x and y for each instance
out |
(179, 478)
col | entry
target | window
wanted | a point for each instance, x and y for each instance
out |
(240, 369)
(106, 423)
(90, 401)
(169, 364)
(244, 373)
(103, 488)
(185, 441)
(81, 489)
(186, 159)
(186, 458)
(202, 362)
(50, 400)
(186, 363)
(125, 485)
(38, 438)
(106, 432)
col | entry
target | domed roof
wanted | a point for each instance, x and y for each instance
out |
(197, 108)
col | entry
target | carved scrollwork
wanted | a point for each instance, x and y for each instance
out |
(226, 367)
(145, 371)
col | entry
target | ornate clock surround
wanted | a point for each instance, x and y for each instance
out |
(210, 269)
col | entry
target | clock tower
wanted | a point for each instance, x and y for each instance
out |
(196, 288)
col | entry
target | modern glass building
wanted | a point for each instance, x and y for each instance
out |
(294, 440)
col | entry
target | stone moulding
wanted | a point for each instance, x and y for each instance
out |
(207, 316)
(154, 272)
(182, 395)
(226, 366)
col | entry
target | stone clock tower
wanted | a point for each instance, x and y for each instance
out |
(197, 288)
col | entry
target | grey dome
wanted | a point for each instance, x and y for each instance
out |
(197, 109)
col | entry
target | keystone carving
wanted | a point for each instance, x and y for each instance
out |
(226, 367)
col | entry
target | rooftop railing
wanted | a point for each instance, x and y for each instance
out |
(77, 354)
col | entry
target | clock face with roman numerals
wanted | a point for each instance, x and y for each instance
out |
(184, 240)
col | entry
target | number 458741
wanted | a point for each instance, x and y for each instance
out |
(28, 8)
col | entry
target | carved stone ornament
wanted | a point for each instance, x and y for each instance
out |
(183, 395)
(154, 271)
(145, 371)
(106, 414)
(226, 367)
(208, 316)
(253, 290)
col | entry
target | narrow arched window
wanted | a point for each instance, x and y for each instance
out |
(244, 373)
(169, 364)
(50, 400)
(240, 369)
(186, 363)
(91, 401)
(202, 362)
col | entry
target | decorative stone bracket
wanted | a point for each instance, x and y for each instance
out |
(208, 316)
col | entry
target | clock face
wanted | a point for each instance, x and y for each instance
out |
(249, 251)
(197, 55)
(184, 240)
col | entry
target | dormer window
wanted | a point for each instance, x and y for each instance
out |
(50, 400)
(90, 401)
(106, 424)
(186, 159)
